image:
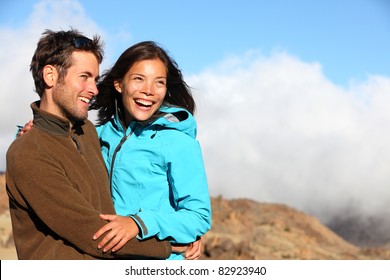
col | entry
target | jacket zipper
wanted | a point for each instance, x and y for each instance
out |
(117, 149)
(76, 143)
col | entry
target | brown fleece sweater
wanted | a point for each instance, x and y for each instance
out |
(57, 185)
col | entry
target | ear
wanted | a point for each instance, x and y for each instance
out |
(50, 75)
(118, 86)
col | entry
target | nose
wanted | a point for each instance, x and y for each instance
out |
(93, 88)
(147, 88)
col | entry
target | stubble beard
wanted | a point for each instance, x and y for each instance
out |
(66, 105)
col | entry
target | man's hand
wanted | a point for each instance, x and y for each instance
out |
(119, 230)
(192, 251)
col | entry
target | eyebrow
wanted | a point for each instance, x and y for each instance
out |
(158, 77)
(90, 74)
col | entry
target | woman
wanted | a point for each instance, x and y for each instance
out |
(147, 134)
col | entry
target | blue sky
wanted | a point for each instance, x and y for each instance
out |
(350, 38)
(293, 96)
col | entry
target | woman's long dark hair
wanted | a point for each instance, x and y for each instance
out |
(178, 92)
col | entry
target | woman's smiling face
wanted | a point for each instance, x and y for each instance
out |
(143, 89)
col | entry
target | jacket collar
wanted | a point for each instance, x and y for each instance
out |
(51, 123)
(134, 125)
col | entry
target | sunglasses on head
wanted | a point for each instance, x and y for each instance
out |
(77, 42)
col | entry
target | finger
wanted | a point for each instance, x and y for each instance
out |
(27, 126)
(101, 231)
(194, 252)
(103, 244)
(120, 244)
(191, 250)
(115, 241)
(108, 217)
(193, 257)
(179, 248)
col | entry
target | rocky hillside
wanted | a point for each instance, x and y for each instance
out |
(245, 229)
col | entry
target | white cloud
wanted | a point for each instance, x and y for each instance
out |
(275, 129)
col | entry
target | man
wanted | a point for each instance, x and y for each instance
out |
(56, 178)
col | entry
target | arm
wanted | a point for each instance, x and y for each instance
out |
(61, 205)
(119, 233)
(192, 215)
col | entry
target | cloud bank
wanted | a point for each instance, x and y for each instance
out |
(275, 129)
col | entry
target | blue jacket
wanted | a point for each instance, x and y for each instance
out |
(157, 175)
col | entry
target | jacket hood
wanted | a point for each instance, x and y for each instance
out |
(167, 117)
(177, 118)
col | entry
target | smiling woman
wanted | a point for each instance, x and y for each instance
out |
(148, 140)
(143, 89)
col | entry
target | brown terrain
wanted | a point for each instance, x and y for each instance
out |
(247, 230)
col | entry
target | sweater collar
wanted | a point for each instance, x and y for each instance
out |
(51, 123)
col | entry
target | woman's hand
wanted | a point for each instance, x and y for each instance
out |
(25, 128)
(118, 231)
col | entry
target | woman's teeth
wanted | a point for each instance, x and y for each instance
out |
(144, 102)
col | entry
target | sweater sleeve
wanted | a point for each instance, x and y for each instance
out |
(192, 214)
(39, 184)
